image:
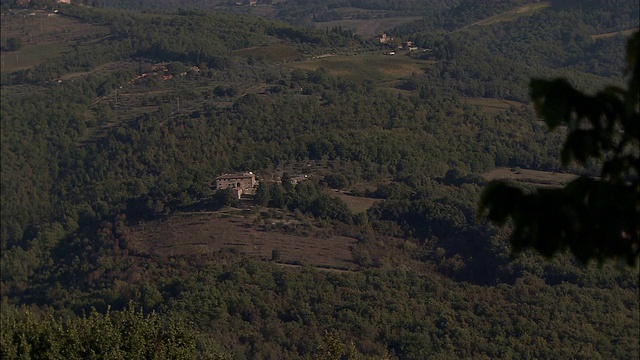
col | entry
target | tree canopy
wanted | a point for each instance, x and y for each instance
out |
(594, 218)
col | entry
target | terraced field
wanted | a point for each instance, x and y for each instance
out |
(197, 234)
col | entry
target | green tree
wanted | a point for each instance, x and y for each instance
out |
(286, 182)
(262, 194)
(225, 197)
(595, 219)
(14, 44)
(277, 195)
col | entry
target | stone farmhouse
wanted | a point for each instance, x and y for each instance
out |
(384, 39)
(241, 183)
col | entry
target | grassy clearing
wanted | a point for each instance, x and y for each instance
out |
(44, 28)
(357, 204)
(493, 105)
(514, 14)
(44, 36)
(103, 69)
(275, 52)
(625, 33)
(540, 178)
(367, 28)
(369, 66)
(31, 56)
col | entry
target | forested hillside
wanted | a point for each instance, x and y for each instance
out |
(362, 239)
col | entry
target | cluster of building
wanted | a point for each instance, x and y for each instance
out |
(389, 41)
(247, 2)
(245, 183)
(239, 183)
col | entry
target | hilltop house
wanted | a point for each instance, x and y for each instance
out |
(384, 39)
(242, 183)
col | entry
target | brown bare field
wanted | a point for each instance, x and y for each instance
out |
(493, 105)
(514, 14)
(627, 32)
(540, 178)
(195, 234)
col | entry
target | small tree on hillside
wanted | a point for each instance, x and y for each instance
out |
(14, 44)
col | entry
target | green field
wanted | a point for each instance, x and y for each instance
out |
(367, 28)
(31, 56)
(368, 66)
(274, 52)
(357, 204)
(44, 36)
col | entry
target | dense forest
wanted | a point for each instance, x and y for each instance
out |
(125, 128)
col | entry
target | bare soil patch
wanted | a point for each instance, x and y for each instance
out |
(195, 234)
(493, 105)
(540, 178)
(627, 32)
(514, 14)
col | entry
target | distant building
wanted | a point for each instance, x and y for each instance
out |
(242, 183)
(384, 39)
(296, 178)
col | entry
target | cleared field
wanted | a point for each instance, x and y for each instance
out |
(540, 178)
(193, 234)
(275, 52)
(357, 204)
(44, 36)
(627, 32)
(367, 28)
(46, 28)
(104, 69)
(367, 66)
(31, 56)
(514, 14)
(493, 105)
